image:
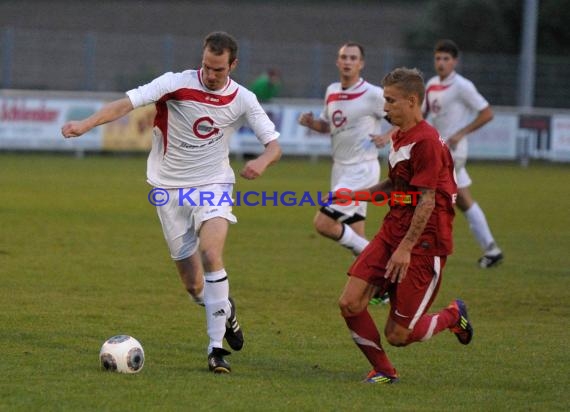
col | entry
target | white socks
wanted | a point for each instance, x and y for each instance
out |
(216, 292)
(480, 229)
(351, 240)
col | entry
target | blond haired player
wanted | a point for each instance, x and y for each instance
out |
(408, 255)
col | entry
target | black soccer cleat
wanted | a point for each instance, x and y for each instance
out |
(233, 335)
(489, 261)
(216, 361)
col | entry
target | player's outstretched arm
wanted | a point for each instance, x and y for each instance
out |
(379, 192)
(255, 168)
(109, 112)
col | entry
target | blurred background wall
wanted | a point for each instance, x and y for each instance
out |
(116, 45)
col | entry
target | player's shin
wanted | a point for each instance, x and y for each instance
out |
(431, 324)
(367, 338)
(351, 240)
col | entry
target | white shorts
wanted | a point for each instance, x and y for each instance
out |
(463, 178)
(182, 217)
(354, 177)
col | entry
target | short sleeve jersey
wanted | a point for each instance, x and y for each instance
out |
(353, 114)
(419, 158)
(193, 126)
(451, 104)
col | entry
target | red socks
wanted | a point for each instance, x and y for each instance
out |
(366, 336)
(431, 324)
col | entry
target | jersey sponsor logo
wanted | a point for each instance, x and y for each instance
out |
(434, 106)
(204, 128)
(186, 145)
(212, 99)
(338, 119)
(404, 199)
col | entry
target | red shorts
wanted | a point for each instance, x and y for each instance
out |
(411, 298)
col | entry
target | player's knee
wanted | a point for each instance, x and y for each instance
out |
(326, 227)
(320, 225)
(212, 260)
(349, 307)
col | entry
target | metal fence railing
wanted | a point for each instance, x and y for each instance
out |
(101, 61)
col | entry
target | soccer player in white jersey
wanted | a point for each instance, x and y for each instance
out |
(456, 109)
(352, 111)
(197, 112)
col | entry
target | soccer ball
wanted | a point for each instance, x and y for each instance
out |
(122, 353)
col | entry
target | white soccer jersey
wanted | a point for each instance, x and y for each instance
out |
(193, 126)
(452, 104)
(353, 114)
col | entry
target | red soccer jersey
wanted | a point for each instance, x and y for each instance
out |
(419, 158)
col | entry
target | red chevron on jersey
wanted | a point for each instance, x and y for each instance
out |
(200, 97)
(335, 97)
(193, 127)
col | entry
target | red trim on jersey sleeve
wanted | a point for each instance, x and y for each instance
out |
(161, 121)
(434, 88)
(334, 97)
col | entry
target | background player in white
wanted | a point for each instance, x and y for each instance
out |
(352, 111)
(197, 112)
(455, 108)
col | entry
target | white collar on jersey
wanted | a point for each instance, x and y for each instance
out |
(449, 79)
(219, 91)
(354, 86)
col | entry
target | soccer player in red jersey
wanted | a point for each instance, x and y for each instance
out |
(408, 254)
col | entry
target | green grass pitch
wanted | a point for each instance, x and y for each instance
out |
(82, 258)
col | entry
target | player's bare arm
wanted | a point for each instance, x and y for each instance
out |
(483, 117)
(256, 167)
(382, 190)
(381, 140)
(399, 262)
(109, 112)
(318, 125)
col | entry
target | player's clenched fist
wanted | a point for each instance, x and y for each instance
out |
(306, 119)
(73, 129)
